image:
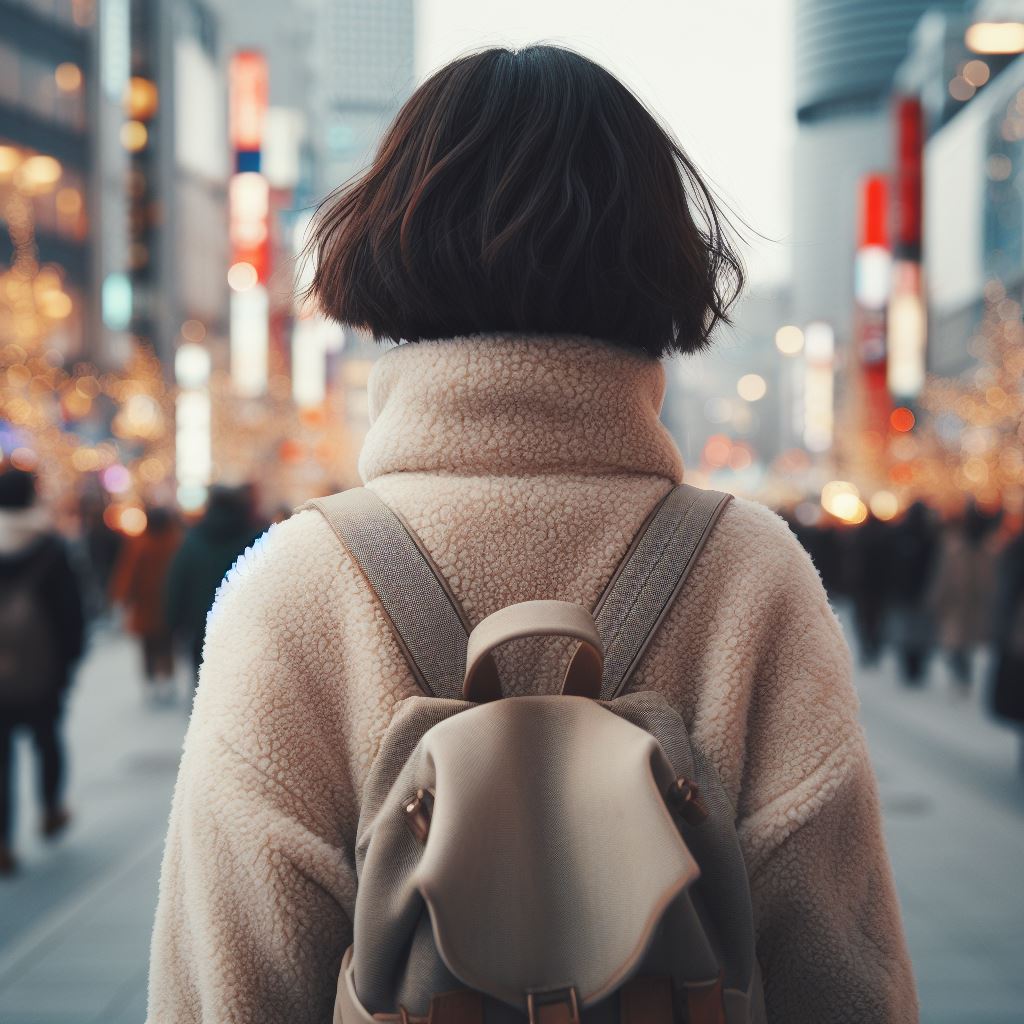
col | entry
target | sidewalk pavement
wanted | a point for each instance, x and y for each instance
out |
(74, 929)
(953, 800)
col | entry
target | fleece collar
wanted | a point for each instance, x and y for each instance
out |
(494, 405)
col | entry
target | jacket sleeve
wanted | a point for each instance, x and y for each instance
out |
(830, 938)
(258, 877)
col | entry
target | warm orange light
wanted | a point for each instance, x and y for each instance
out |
(56, 305)
(39, 173)
(68, 77)
(10, 161)
(132, 521)
(141, 98)
(249, 91)
(69, 202)
(134, 136)
(717, 450)
(902, 419)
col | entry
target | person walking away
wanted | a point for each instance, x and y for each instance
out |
(913, 552)
(539, 242)
(41, 639)
(963, 591)
(208, 551)
(101, 545)
(139, 583)
(870, 577)
(1008, 627)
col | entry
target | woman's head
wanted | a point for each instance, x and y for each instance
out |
(527, 191)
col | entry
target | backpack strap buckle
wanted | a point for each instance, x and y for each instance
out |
(553, 1006)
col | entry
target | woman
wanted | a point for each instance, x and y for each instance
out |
(140, 579)
(538, 243)
(41, 639)
(963, 590)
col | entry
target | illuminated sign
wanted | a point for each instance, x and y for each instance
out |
(249, 83)
(249, 341)
(819, 386)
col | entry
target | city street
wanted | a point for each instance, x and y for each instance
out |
(74, 928)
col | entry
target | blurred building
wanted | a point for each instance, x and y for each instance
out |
(846, 55)
(49, 168)
(364, 52)
(737, 408)
(364, 72)
(973, 205)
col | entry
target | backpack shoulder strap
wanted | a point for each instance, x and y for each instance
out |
(428, 622)
(650, 577)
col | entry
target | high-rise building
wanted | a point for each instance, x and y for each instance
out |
(846, 55)
(47, 166)
(364, 72)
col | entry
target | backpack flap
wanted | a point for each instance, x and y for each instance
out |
(548, 859)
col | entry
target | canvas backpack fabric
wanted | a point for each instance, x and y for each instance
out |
(547, 859)
(29, 671)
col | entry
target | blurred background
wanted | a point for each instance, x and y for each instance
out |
(165, 396)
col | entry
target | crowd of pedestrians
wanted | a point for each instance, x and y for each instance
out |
(54, 588)
(925, 587)
(930, 587)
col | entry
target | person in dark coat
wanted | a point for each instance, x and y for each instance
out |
(914, 552)
(41, 639)
(869, 567)
(209, 550)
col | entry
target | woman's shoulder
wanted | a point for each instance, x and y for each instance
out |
(288, 563)
(750, 540)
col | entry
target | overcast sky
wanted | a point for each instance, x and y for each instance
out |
(718, 71)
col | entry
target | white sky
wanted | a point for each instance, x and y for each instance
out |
(718, 71)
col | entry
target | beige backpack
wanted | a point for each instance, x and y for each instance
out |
(551, 859)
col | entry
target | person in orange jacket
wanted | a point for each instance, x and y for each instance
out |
(138, 584)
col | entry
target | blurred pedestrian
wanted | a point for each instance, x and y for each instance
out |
(914, 550)
(101, 546)
(870, 576)
(1008, 629)
(41, 639)
(963, 591)
(139, 583)
(200, 564)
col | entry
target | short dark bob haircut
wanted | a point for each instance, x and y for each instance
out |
(527, 191)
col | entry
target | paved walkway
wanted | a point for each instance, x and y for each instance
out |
(74, 929)
(953, 799)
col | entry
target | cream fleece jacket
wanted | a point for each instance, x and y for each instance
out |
(526, 466)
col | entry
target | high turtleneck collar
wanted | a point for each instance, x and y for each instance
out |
(495, 405)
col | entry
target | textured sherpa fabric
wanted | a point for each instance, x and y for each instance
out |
(526, 466)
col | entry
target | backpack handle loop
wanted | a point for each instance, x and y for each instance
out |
(534, 618)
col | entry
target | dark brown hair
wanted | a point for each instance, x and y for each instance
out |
(530, 192)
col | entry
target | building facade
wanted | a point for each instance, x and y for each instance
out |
(48, 171)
